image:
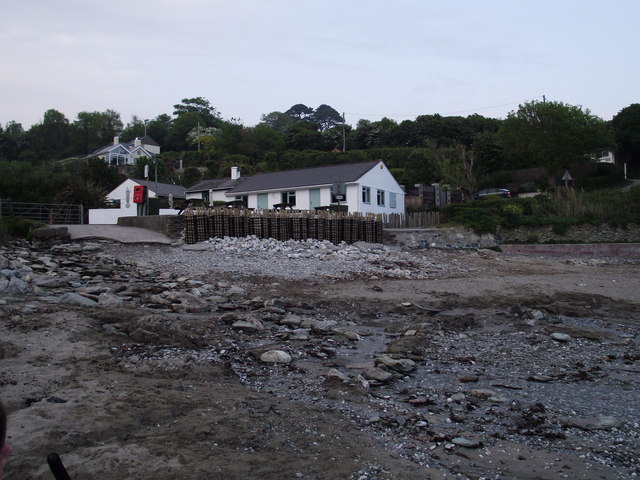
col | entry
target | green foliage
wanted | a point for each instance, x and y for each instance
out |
(16, 227)
(560, 209)
(191, 176)
(551, 135)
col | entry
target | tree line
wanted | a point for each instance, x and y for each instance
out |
(49, 158)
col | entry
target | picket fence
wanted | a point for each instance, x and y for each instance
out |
(336, 227)
(411, 220)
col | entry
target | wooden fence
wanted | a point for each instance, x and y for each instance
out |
(204, 223)
(411, 220)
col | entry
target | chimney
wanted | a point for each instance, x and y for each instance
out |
(235, 173)
(116, 140)
(137, 142)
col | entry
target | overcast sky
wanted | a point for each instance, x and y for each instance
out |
(367, 58)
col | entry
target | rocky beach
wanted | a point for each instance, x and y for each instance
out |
(249, 358)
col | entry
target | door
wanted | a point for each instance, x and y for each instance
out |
(263, 201)
(314, 198)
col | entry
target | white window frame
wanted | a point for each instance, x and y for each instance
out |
(380, 198)
(366, 195)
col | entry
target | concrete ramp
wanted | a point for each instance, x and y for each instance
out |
(116, 233)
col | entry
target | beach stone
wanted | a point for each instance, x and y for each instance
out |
(275, 356)
(560, 337)
(72, 298)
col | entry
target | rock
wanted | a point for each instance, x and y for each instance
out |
(320, 326)
(17, 286)
(486, 394)
(467, 442)
(248, 324)
(561, 337)
(275, 356)
(401, 365)
(109, 299)
(292, 321)
(336, 374)
(593, 423)
(51, 282)
(72, 298)
(540, 378)
(353, 336)
(468, 378)
(236, 292)
(274, 303)
(377, 375)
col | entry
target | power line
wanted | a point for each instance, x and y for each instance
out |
(407, 116)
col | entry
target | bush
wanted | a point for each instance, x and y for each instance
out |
(16, 227)
(560, 209)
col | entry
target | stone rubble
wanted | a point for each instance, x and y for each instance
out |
(454, 388)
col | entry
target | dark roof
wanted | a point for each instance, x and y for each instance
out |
(164, 189)
(146, 140)
(305, 177)
(215, 184)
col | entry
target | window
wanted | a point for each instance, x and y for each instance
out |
(289, 197)
(380, 198)
(366, 195)
(392, 200)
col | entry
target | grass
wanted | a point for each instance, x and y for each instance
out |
(16, 227)
(560, 209)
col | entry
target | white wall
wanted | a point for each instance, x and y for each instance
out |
(109, 216)
(379, 178)
(218, 196)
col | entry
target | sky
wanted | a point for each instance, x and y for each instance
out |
(365, 58)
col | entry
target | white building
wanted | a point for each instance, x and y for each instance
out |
(122, 199)
(363, 187)
(366, 187)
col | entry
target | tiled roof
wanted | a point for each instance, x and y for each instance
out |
(215, 184)
(164, 189)
(305, 177)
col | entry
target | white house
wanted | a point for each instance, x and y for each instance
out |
(120, 154)
(366, 187)
(215, 189)
(122, 199)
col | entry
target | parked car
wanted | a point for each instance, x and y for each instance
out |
(500, 192)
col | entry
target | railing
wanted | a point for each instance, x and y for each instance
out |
(50, 213)
(410, 220)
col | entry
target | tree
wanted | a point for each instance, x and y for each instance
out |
(551, 135)
(50, 138)
(92, 130)
(326, 117)
(299, 112)
(12, 140)
(135, 128)
(159, 128)
(304, 135)
(208, 115)
(456, 167)
(626, 127)
(277, 120)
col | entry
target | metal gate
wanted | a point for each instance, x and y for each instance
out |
(50, 213)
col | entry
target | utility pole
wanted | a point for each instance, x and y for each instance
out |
(344, 138)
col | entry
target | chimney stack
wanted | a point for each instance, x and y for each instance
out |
(235, 173)
(116, 140)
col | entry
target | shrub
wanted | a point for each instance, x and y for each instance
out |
(16, 227)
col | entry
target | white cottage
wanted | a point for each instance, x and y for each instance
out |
(366, 187)
(122, 199)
